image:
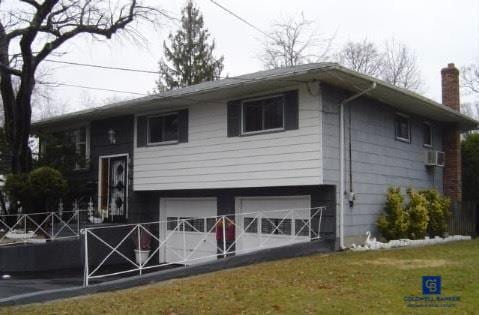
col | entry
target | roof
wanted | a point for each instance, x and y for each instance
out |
(235, 87)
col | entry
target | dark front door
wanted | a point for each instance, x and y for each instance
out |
(114, 187)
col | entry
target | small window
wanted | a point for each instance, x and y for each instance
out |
(194, 224)
(263, 114)
(427, 131)
(301, 227)
(163, 129)
(276, 226)
(250, 225)
(172, 223)
(403, 130)
(211, 225)
(80, 139)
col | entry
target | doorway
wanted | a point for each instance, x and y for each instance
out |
(113, 187)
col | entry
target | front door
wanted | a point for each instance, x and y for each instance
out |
(114, 187)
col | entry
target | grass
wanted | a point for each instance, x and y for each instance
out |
(350, 282)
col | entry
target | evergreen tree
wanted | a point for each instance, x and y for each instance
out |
(189, 59)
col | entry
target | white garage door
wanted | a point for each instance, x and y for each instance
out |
(266, 222)
(192, 242)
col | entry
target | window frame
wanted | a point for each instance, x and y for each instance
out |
(76, 136)
(430, 144)
(283, 122)
(397, 137)
(148, 140)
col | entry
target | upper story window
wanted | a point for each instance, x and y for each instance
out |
(427, 132)
(81, 140)
(402, 128)
(163, 128)
(264, 114)
(276, 112)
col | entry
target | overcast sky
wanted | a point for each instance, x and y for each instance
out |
(438, 31)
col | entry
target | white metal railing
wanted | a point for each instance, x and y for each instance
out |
(182, 241)
(39, 227)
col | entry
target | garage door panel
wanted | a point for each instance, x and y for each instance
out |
(272, 221)
(191, 241)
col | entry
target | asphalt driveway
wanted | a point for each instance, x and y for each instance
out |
(23, 283)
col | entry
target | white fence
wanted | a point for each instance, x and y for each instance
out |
(109, 251)
(39, 227)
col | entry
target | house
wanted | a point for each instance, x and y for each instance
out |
(292, 138)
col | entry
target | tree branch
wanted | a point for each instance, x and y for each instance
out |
(33, 3)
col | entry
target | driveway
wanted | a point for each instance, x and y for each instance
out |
(28, 282)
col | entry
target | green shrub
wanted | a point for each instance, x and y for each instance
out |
(438, 209)
(47, 186)
(470, 166)
(426, 213)
(417, 213)
(17, 188)
(38, 191)
(393, 223)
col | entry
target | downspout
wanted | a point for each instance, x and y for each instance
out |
(341, 160)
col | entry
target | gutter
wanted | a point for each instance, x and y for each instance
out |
(342, 185)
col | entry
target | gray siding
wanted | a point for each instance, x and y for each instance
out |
(378, 160)
(100, 146)
(212, 160)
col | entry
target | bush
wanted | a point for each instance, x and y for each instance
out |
(393, 224)
(417, 214)
(38, 191)
(17, 188)
(426, 213)
(438, 208)
(47, 186)
(470, 166)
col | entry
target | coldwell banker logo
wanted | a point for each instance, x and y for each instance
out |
(431, 285)
(431, 295)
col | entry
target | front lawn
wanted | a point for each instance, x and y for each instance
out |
(351, 282)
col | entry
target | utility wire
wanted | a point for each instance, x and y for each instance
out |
(79, 64)
(241, 19)
(102, 67)
(59, 84)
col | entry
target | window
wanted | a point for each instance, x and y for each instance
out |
(403, 130)
(276, 226)
(80, 139)
(427, 132)
(211, 225)
(172, 223)
(301, 227)
(263, 114)
(194, 224)
(163, 129)
(250, 225)
(186, 224)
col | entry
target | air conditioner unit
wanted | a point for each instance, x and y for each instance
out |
(434, 158)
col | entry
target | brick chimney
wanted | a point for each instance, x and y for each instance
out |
(451, 136)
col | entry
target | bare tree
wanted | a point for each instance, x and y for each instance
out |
(293, 42)
(363, 57)
(42, 103)
(470, 84)
(30, 31)
(399, 66)
(470, 78)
